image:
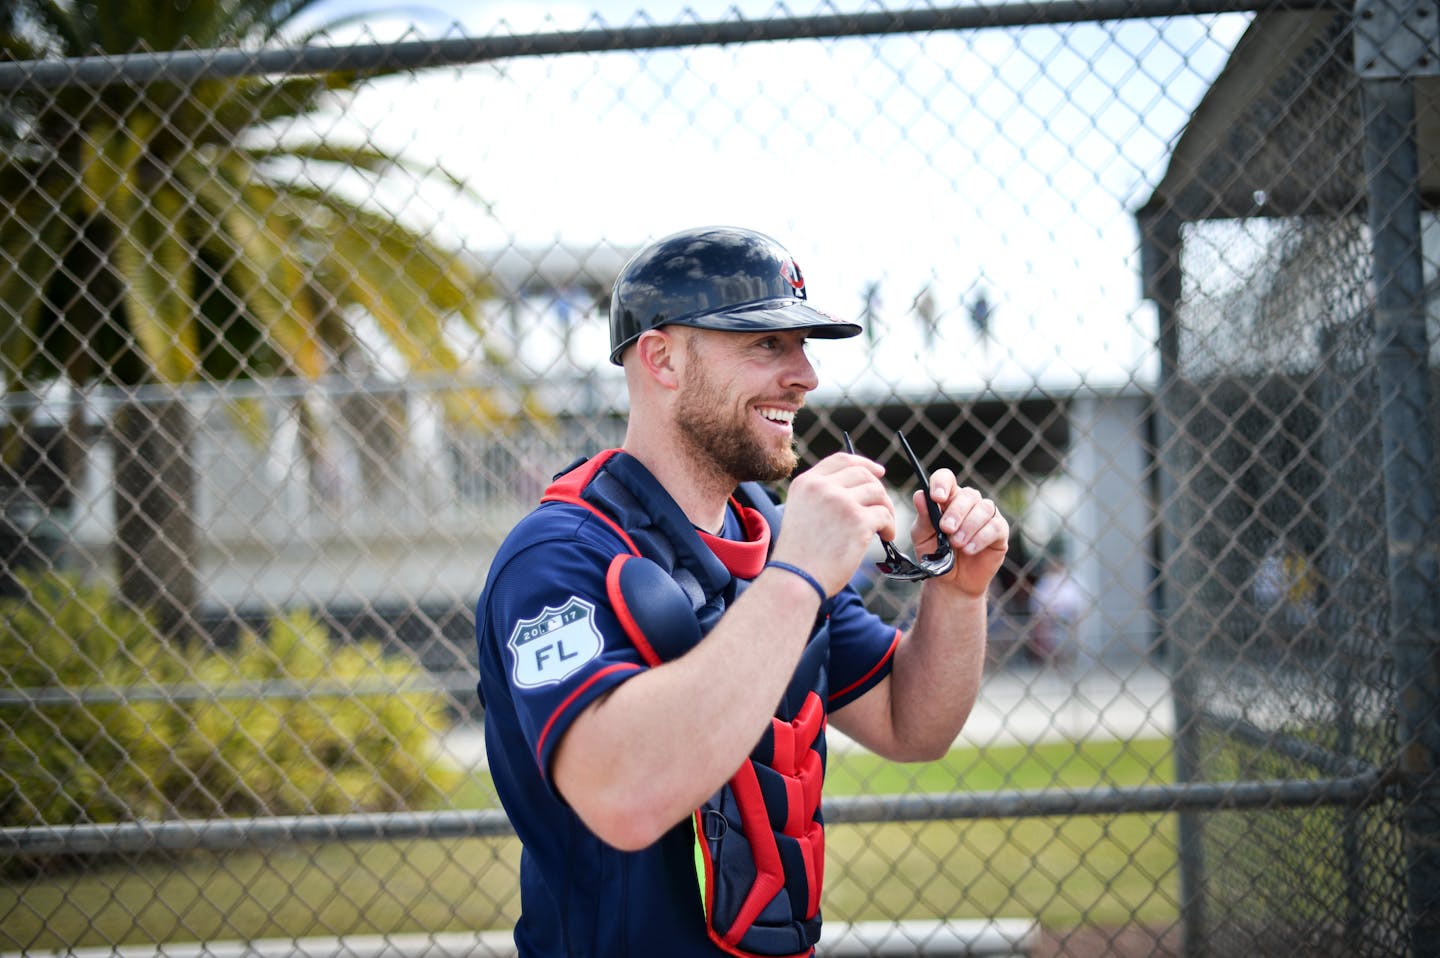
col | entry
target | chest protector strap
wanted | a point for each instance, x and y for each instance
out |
(759, 841)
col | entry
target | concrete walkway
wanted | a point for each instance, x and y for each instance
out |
(1002, 938)
(1066, 703)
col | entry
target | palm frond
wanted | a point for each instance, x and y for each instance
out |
(400, 331)
(370, 158)
(27, 261)
(16, 46)
(53, 19)
(264, 268)
(274, 15)
(207, 234)
(153, 262)
(348, 244)
(222, 111)
(443, 274)
(296, 333)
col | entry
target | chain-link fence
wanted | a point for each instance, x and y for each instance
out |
(298, 318)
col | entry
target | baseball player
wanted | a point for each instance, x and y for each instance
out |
(660, 654)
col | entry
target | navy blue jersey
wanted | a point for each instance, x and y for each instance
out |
(549, 645)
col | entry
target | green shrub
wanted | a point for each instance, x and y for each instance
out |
(81, 761)
(324, 750)
(153, 732)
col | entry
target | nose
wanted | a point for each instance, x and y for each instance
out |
(800, 372)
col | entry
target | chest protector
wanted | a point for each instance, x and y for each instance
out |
(759, 840)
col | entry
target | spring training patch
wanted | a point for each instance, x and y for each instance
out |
(555, 644)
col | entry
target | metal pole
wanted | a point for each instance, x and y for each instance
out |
(1160, 255)
(181, 66)
(1409, 468)
(1349, 616)
(221, 834)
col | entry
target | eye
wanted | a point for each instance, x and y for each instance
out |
(780, 344)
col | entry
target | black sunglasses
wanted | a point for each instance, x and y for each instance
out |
(896, 564)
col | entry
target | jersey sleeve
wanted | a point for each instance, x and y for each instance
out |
(862, 648)
(555, 637)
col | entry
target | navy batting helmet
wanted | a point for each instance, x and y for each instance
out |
(714, 277)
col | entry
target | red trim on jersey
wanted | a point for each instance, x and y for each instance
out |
(889, 654)
(572, 483)
(569, 486)
(545, 732)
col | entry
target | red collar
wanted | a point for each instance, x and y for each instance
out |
(743, 559)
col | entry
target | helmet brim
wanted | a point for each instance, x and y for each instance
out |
(761, 317)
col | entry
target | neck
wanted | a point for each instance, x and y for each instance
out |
(697, 488)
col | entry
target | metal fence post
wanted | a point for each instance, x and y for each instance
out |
(1349, 399)
(1160, 251)
(1395, 41)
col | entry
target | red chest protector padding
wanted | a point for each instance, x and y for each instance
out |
(760, 843)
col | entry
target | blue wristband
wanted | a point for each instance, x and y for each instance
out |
(796, 570)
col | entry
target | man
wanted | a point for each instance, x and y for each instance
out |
(639, 628)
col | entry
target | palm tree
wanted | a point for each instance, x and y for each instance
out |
(160, 235)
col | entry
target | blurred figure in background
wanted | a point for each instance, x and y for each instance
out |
(1058, 603)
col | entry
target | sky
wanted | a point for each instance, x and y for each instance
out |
(1002, 162)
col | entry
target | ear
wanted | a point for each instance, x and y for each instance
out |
(659, 356)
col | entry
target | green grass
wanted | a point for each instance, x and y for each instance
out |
(1064, 871)
(1047, 765)
(1110, 870)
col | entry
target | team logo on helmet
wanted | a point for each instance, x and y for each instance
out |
(790, 270)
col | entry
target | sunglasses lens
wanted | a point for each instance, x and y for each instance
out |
(939, 563)
(904, 570)
(941, 556)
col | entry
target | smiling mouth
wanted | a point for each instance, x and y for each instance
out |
(783, 417)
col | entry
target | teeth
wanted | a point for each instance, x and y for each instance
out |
(778, 415)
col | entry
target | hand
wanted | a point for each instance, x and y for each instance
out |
(832, 512)
(978, 533)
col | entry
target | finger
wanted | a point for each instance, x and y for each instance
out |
(994, 534)
(852, 481)
(967, 514)
(858, 478)
(943, 484)
(945, 489)
(839, 463)
(949, 495)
